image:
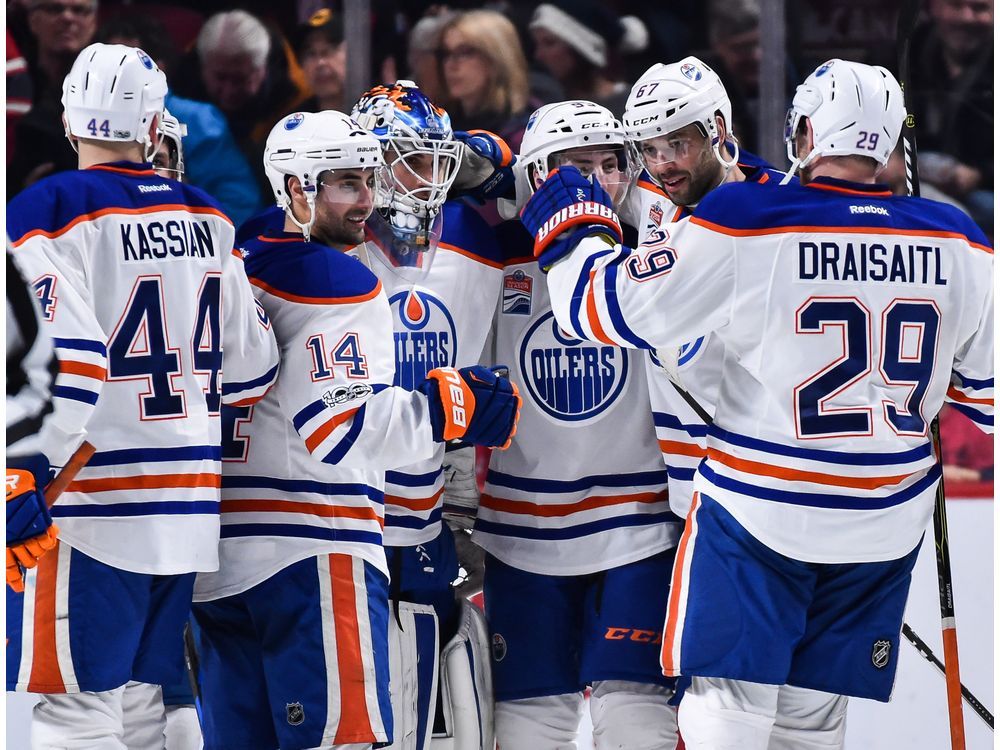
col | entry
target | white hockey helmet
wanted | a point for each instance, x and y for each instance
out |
(173, 130)
(558, 127)
(306, 144)
(668, 97)
(112, 93)
(854, 109)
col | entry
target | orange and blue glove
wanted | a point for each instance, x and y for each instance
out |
(473, 404)
(30, 531)
(487, 167)
(565, 209)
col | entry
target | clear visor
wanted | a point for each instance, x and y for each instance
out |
(419, 174)
(664, 149)
(351, 186)
(612, 166)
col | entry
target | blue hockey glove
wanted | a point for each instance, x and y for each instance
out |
(487, 168)
(27, 514)
(566, 208)
(473, 404)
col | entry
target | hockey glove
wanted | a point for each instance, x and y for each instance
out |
(565, 209)
(487, 168)
(27, 514)
(472, 404)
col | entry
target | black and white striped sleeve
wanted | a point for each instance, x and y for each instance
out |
(31, 367)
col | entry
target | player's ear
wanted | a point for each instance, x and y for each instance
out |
(720, 124)
(153, 125)
(293, 186)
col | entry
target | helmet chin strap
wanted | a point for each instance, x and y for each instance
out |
(307, 227)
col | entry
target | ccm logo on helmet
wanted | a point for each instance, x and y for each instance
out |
(644, 120)
(572, 213)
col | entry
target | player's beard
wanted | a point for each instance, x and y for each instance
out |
(346, 229)
(703, 178)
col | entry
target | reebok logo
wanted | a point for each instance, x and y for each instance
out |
(880, 210)
(163, 188)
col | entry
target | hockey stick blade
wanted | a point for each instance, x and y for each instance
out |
(925, 651)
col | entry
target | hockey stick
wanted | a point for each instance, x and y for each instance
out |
(68, 473)
(925, 651)
(908, 14)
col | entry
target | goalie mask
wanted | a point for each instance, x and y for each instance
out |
(422, 160)
(577, 133)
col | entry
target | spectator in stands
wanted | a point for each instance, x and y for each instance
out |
(249, 72)
(212, 160)
(60, 29)
(966, 452)
(485, 74)
(19, 91)
(322, 52)
(734, 37)
(421, 54)
(578, 42)
(952, 61)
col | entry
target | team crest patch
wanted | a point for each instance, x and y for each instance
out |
(293, 121)
(145, 59)
(880, 653)
(294, 713)
(691, 71)
(656, 214)
(517, 293)
(499, 647)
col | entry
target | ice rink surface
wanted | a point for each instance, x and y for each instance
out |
(917, 718)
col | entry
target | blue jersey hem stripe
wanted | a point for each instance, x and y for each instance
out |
(411, 522)
(237, 481)
(576, 531)
(974, 414)
(230, 531)
(812, 500)
(830, 457)
(661, 419)
(155, 508)
(641, 479)
(152, 455)
(84, 345)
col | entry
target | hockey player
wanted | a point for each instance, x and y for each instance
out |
(574, 517)
(155, 326)
(849, 316)
(168, 161)
(297, 615)
(440, 266)
(679, 119)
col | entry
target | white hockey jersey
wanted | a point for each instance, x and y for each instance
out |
(848, 315)
(441, 321)
(303, 470)
(680, 430)
(582, 487)
(155, 326)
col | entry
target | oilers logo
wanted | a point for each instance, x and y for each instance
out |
(294, 120)
(569, 379)
(425, 336)
(145, 59)
(691, 71)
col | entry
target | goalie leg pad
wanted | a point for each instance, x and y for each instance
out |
(413, 674)
(467, 686)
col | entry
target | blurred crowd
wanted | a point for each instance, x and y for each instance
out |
(234, 69)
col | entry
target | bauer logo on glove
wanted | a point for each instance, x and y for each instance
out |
(472, 404)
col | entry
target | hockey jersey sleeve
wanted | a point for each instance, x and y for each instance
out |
(971, 389)
(250, 352)
(57, 272)
(662, 294)
(337, 368)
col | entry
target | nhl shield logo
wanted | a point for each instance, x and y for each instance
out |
(880, 653)
(294, 713)
(499, 647)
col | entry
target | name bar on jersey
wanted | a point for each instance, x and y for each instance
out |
(159, 240)
(863, 261)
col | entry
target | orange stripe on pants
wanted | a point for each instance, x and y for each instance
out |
(673, 606)
(354, 724)
(46, 677)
